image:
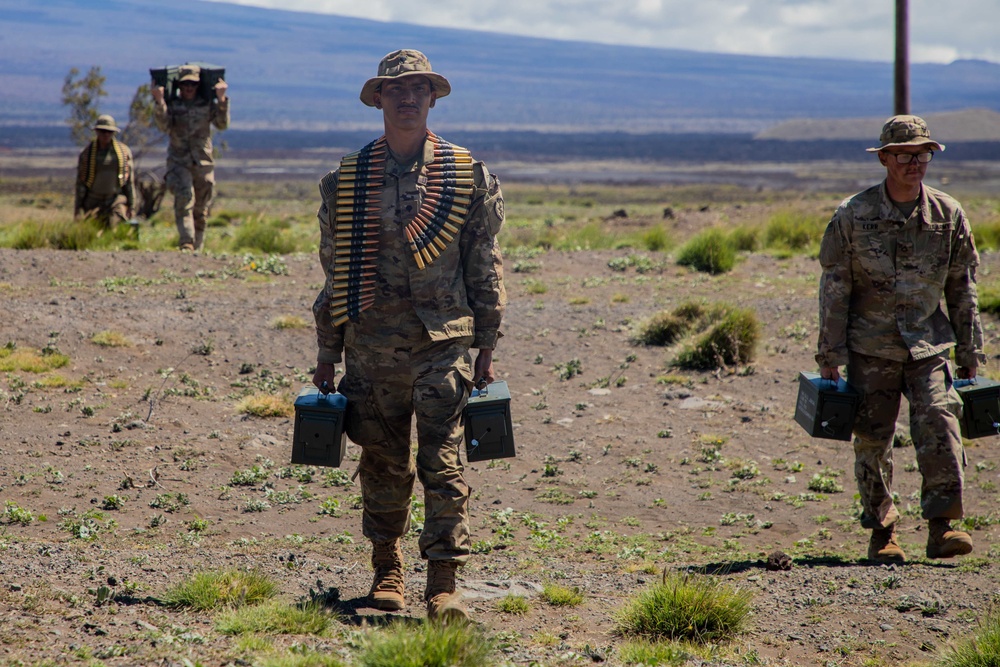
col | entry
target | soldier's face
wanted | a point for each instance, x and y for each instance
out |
(405, 102)
(907, 175)
(188, 90)
(104, 138)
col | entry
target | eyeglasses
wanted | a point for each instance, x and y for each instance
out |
(906, 158)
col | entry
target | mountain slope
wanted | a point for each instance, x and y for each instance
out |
(295, 70)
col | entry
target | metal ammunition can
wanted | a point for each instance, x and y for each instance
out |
(980, 407)
(824, 408)
(318, 438)
(488, 430)
(168, 76)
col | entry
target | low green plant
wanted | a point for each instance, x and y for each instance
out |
(14, 513)
(685, 607)
(265, 405)
(824, 484)
(203, 591)
(730, 341)
(16, 359)
(981, 649)
(264, 236)
(424, 645)
(288, 322)
(793, 231)
(663, 328)
(710, 251)
(562, 596)
(650, 653)
(517, 605)
(275, 617)
(108, 338)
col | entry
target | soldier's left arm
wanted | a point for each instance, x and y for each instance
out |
(220, 113)
(962, 297)
(128, 186)
(482, 262)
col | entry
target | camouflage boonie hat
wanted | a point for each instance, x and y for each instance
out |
(905, 131)
(405, 62)
(190, 73)
(106, 122)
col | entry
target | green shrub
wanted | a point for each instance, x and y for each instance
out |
(276, 618)
(989, 298)
(562, 596)
(683, 607)
(424, 645)
(656, 239)
(982, 649)
(745, 239)
(730, 341)
(227, 588)
(663, 328)
(791, 230)
(646, 653)
(263, 236)
(709, 252)
(987, 235)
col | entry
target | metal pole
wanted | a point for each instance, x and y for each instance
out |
(902, 98)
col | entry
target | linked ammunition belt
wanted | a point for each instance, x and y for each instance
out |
(91, 166)
(357, 220)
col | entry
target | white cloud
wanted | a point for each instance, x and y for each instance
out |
(855, 29)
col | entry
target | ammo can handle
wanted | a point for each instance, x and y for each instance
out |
(324, 391)
(483, 387)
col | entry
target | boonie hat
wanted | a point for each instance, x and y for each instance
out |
(106, 122)
(905, 130)
(405, 62)
(190, 73)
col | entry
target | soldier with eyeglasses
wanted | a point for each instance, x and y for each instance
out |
(892, 256)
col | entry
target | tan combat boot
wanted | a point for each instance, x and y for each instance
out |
(943, 542)
(387, 588)
(443, 602)
(884, 548)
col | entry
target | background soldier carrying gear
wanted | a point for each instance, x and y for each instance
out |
(104, 188)
(190, 176)
(414, 279)
(891, 256)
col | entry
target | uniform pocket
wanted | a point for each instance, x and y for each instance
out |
(361, 419)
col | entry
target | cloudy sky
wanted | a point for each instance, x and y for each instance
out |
(940, 30)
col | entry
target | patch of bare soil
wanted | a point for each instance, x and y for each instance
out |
(660, 468)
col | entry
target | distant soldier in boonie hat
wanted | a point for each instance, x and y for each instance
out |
(414, 279)
(190, 176)
(104, 171)
(891, 256)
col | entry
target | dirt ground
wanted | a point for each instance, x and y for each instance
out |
(661, 468)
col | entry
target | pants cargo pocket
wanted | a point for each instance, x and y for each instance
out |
(361, 419)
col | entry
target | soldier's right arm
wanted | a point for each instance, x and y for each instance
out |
(161, 116)
(329, 338)
(81, 186)
(835, 285)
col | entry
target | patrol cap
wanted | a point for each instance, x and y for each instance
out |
(190, 73)
(405, 62)
(106, 122)
(905, 130)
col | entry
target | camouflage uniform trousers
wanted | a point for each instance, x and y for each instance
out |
(385, 388)
(110, 211)
(193, 187)
(935, 408)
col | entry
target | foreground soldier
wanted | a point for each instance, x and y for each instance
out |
(104, 189)
(188, 120)
(891, 256)
(414, 280)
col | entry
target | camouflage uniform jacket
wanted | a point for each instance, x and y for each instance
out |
(92, 160)
(884, 278)
(189, 125)
(460, 293)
